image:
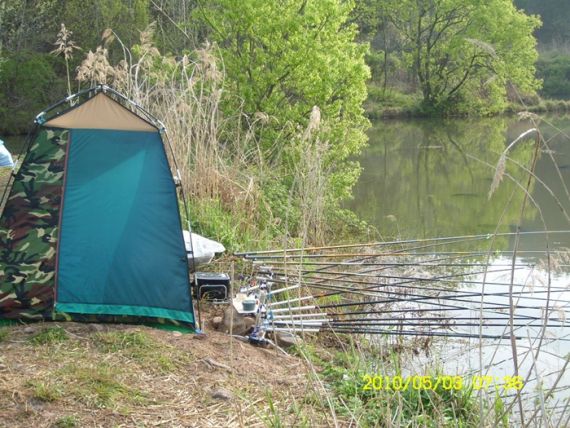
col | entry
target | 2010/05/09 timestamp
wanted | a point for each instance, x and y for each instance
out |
(432, 383)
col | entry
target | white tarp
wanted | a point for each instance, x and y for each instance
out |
(5, 156)
(204, 249)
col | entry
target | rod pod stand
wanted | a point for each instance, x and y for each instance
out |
(257, 336)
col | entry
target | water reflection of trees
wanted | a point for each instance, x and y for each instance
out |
(420, 179)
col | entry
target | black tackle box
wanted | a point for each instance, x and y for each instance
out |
(212, 286)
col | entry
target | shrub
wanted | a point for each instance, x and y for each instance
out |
(28, 83)
(555, 72)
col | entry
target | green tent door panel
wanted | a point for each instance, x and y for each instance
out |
(121, 250)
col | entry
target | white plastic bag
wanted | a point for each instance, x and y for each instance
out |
(202, 248)
(5, 156)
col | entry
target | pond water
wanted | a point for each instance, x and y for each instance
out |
(431, 178)
(426, 178)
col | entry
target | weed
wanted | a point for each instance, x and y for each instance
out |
(272, 418)
(142, 348)
(502, 419)
(343, 375)
(68, 421)
(100, 386)
(45, 391)
(50, 336)
(124, 341)
(3, 334)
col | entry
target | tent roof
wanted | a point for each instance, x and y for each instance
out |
(101, 112)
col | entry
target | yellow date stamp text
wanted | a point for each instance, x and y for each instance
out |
(433, 383)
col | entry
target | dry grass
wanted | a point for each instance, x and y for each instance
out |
(138, 376)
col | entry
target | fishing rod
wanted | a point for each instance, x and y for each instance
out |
(443, 278)
(454, 335)
(312, 323)
(409, 279)
(396, 264)
(358, 262)
(454, 297)
(408, 241)
(417, 298)
(421, 310)
(367, 257)
(506, 318)
(283, 271)
(307, 322)
(416, 333)
(376, 269)
(393, 251)
(282, 266)
(329, 265)
(399, 254)
(339, 290)
(375, 286)
(428, 324)
(389, 289)
(380, 289)
(424, 298)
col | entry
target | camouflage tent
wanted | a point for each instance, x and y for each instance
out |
(91, 228)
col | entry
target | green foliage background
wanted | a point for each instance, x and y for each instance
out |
(298, 70)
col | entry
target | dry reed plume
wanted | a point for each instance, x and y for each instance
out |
(65, 46)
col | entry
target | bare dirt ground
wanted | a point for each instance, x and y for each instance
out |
(93, 375)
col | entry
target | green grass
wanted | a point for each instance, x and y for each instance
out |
(3, 334)
(234, 228)
(117, 341)
(343, 375)
(100, 386)
(49, 336)
(140, 347)
(273, 417)
(99, 373)
(45, 391)
(69, 421)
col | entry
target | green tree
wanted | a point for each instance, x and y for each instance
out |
(89, 18)
(28, 83)
(282, 59)
(466, 53)
(29, 78)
